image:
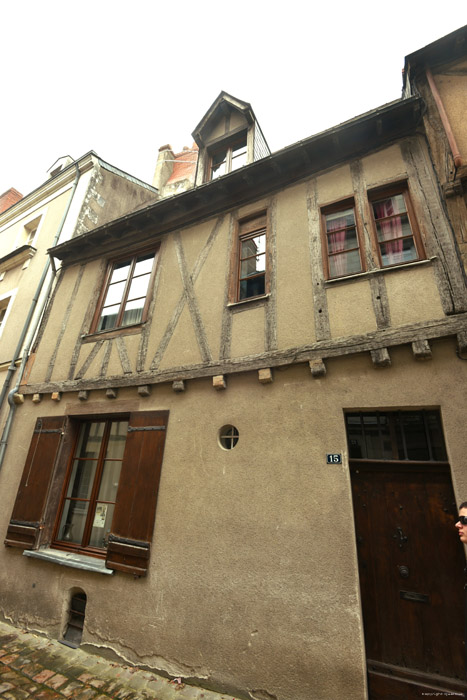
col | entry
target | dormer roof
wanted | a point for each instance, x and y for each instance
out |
(222, 105)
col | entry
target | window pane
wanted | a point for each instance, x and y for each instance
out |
(108, 318)
(340, 219)
(396, 252)
(415, 436)
(81, 480)
(342, 240)
(144, 264)
(239, 156)
(344, 264)
(114, 293)
(435, 431)
(396, 227)
(389, 206)
(89, 441)
(109, 480)
(139, 287)
(253, 246)
(73, 521)
(218, 164)
(101, 525)
(117, 439)
(120, 271)
(133, 312)
(252, 266)
(253, 287)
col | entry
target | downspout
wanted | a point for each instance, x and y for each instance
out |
(456, 154)
(27, 328)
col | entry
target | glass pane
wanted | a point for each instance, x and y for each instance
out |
(397, 252)
(115, 293)
(133, 312)
(253, 265)
(89, 441)
(415, 436)
(120, 271)
(372, 438)
(108, 318)
(342, 240)
(252, 287)
(139, 287)
(435, 432)
(344, 264)
(144, 265)
(253, 246)
(355, 438)
(73, 521)
(389, 206)
(218, 164)
(397, 227)
(101, 525)
(239, 156)
(109, 481)
(340, 219)
(81, 479)
(117, 438)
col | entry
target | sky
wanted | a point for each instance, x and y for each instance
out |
(124, 78)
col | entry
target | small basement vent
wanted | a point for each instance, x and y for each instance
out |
(75, 625)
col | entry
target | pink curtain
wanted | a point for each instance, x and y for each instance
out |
(336, 242)
(390, 230)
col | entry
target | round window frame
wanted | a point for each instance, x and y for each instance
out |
(233, 437)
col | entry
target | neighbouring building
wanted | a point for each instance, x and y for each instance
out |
(438, 73)
(77, 196)
(239, 443)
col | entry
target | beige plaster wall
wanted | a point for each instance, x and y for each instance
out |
(413, 297)
(335, 185)
(383, 166)
(452, 87)
(249, 576)
(351, 309)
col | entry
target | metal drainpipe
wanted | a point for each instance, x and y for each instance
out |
(32, 330)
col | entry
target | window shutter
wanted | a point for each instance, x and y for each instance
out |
(135, 510)
(28, 512)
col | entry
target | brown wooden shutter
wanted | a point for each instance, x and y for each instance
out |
(135, 510)
(28, 512)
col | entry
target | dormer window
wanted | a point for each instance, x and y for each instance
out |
(227, 158)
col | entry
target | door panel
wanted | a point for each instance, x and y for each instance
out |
(411, 575)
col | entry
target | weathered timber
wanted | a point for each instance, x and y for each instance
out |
(144, 390)
(421, 350)
(317, 368)
(219, 382)
(265, 376)
(462, 343)
(271, 308)
(380, 357)
(83, 395)
(320, 302)
(111, 393)
(56, 396)
(339, 347)
(37, 398)
(178, 386)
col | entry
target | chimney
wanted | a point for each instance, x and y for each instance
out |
(164, 167)
(8, 198)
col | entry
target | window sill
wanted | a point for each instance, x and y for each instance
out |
(378, 271)
(250, 301)
(75, 561)
(112, 333)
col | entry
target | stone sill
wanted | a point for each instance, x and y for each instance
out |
(75, 561)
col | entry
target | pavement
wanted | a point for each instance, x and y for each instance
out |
(32, 666)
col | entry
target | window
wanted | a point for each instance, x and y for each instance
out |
(126, 293)
(397, 236)
(90, 494)
(228, 157)
(250, 260)
(4, 303)
(396, 435)
(341, 241)
(89, 486)
(228, 437)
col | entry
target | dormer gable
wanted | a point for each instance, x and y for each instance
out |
(228, 137)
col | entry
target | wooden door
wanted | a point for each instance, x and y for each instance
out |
(411, 578)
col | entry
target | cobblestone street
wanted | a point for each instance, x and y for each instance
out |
(35, 667)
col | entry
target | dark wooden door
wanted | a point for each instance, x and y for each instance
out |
(411, 578)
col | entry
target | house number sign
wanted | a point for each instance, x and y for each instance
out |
(334, 458)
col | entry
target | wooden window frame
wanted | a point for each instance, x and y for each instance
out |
(132, 257)
(334, 208)
(399, 188)
(37, 509)
(225, 145)
(96, 481)
(246, 228)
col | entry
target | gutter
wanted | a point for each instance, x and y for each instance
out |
(31, 329)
